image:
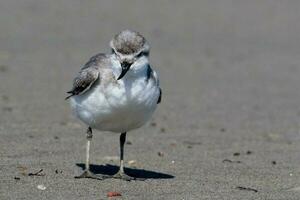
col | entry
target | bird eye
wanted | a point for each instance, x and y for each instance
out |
(142, 54)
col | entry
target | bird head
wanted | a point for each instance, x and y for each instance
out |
(131, 49)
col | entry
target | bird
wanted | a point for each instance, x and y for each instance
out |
(116, 92)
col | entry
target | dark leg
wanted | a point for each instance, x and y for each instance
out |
(87, 173)
(121, 174)
(122, 142)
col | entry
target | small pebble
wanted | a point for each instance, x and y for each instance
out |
(249, 152)
(173, 161)
(56, 137)
(131, 162)
(247, 189)
(58, 171)
(161, 154)
(274, 162)
(41, 187)
(17, 178)
(38, 173)
(236, 154)
(230, 161)
(114, 194)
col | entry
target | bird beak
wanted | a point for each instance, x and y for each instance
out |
(125, 67)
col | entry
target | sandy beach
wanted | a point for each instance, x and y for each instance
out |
(228, 125)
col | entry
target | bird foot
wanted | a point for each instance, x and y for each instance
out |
(89, 174)
(125, 177)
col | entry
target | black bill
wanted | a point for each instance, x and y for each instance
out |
(125, 67)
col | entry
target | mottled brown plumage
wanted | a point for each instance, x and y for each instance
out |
(88, 74)
(128, 42)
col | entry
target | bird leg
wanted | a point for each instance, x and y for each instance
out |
(87, 173)
(121, 174)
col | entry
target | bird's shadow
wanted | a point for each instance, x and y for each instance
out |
(137, 173)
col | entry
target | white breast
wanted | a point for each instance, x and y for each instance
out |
(117, 107)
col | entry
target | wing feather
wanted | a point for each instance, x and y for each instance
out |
(83, 81)
(87, 76)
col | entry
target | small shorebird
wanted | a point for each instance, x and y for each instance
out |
(116, 92)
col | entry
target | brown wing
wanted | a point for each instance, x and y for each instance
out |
(87, 76)
(83, 81)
